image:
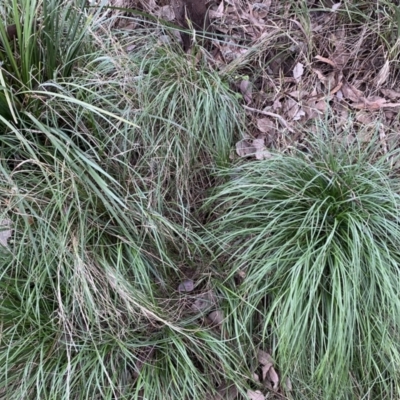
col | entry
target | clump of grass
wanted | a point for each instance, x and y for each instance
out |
(51, 38)
(89, 303)
(317, 235)
(189, 117)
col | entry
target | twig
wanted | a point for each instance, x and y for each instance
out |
(273, 115)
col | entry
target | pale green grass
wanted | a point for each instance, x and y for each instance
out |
(95, 176)
(317, 235)
(106, 157)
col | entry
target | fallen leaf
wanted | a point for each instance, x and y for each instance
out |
(186, 286)
(374, 103)
(265, 370)
(288, 384)
(167, 13)
(5, 231)
(364, 117)
(274, 378)
(326, 60)
(342, 114)
(225, 392)
(351, 93)
(336, 6)
(204, 301)
(293, 109)
(255, 395)
(265, 125)
(264, 358)
(241, 274)
(244, 148)
(312, 108)
(382, 74)
(261, 152)
(299, 94)
(298, 71)
(216, 317)
(319, 74)
(392, 94)
(336, 88)
(262, 9)
(277, 104)
(246, 90)
(266, 361)
(321, 105)
(389, 115)
(270, 114)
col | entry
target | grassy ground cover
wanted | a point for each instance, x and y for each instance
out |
(216, 224)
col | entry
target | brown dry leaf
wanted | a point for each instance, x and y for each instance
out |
(256, 377)
(244, 148)
(336, 88)
(264, 358)
(383, 74)
(5, 231)
(311, 110)
(261, 10)
(218, 13)
(364, 117)
(341, 55)
(299, 94)
(265, 125)
(266, 361)
(274, 378)
(321, 105)
(246, 90)
(167, 13)
(186, 286)
(225, 392)
(342, 115)
(265, 370)
(277, 104)
(326, 60)
(216, 317)
(374, 103)
(204, 301)
(392, 94)
(261, 152)
(331, 80)
(288, 384)
(319, 74)
(351, 93)
(255, 395)
(389, 115)
(293, 109)
(298, 71)
(241, 275)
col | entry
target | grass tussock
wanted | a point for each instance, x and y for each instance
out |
(94, 178)
(316, 234)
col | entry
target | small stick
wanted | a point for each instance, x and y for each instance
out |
(273, 115)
